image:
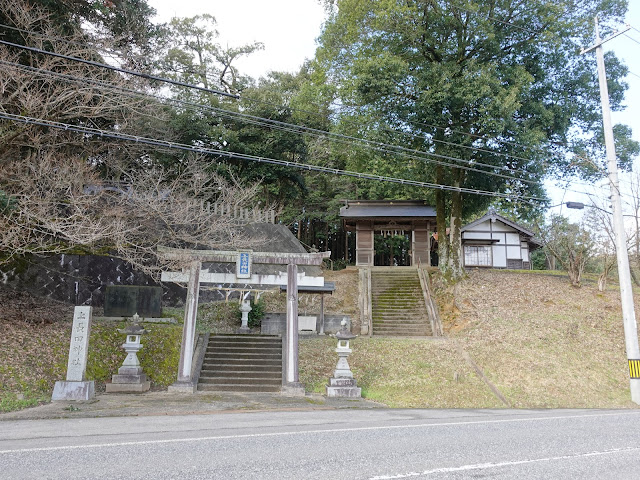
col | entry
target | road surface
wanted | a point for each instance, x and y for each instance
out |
(333, 444)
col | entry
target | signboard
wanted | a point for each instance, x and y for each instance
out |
(243, 265)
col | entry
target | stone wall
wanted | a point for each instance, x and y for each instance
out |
(276, 323)
(80, 279)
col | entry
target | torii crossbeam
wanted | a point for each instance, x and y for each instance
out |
(243, 260)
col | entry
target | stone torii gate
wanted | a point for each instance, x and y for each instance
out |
(243, 260)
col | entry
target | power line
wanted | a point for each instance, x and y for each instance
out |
(376, 145)
(121, 70)
(254, 158)
(379, 146)
(631, 38)
(477, 164)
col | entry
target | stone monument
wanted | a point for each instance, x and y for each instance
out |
(130, 378)
(76, 387)
(342, 384)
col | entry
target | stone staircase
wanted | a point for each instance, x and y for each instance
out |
(242, 363)
(397, 303)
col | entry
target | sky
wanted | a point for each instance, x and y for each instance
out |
(289, 28)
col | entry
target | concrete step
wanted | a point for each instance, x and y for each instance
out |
(244, 337)
(399, 308)
(240, 380)
(248, 374)
(210, 387)
(275, 362)
(400, 321)
(248, 363)
(255, 357)
(235, 349)
(227, 367)
(402, 331)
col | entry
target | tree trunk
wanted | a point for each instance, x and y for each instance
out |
(441, 224)
(455, 242)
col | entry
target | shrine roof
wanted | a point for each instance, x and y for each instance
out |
(387, 208)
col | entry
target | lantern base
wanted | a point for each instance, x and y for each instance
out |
(128, 387)
(343, 387)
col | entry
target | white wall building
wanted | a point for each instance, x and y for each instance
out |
(495, 242)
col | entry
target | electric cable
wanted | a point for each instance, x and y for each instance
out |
(120, 70)
(234, 155)
(292, 128)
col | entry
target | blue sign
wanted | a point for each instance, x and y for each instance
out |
(243, 267)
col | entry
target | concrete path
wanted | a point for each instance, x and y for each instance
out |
(165, 403)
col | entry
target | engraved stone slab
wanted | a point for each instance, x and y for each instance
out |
(79, 348)
(127, 300)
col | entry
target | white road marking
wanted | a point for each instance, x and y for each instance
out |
(484, 466)
(304, 432)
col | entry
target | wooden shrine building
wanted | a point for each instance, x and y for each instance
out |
(413, 219)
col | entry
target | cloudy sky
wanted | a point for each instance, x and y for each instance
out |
(288, 28)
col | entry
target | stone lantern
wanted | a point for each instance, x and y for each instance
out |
(130, 377)
(342, 384)
(245, 308)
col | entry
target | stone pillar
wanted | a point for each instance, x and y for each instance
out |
(342, 384)
(245, 308)
(321, 329)
(185, 382)
(76, 387)
(292, 386)
(130, 378)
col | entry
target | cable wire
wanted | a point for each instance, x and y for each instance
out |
(254, 158)
(121, 70)
(346, 139)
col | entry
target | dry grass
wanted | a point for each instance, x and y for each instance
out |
(542, 342)
(401, 373)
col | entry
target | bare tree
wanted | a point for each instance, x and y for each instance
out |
(62, 191)
(65, 206)
(634, 240)
(600, 222)
(570, 244)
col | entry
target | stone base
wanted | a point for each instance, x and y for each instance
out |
(243, 330)
(128, 370)
(128, 387)
(182, 387)
(128, 378)
(343, 387)
(66, 390)
(294, 389)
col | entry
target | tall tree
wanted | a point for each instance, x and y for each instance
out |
(497, 82)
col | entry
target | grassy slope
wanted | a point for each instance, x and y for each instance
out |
(545, 344)
(541, 342)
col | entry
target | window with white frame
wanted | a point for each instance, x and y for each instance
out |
(477, 255)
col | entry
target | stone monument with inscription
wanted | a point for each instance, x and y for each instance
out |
(76, 387)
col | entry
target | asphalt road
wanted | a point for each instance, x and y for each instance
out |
(333, 444)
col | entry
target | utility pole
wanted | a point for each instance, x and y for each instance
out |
(626, 293)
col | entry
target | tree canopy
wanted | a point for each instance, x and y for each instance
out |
(496, 85)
